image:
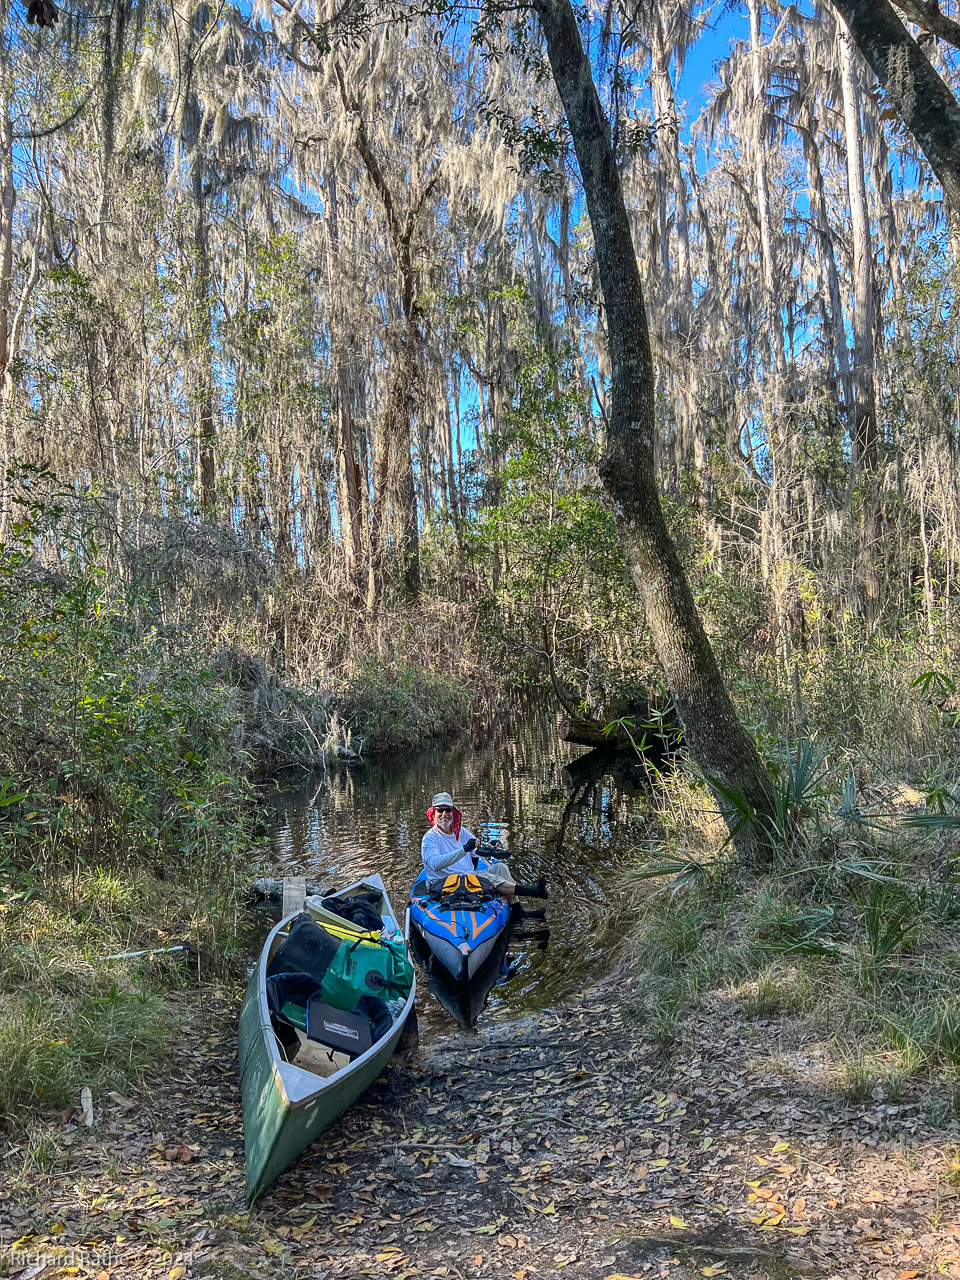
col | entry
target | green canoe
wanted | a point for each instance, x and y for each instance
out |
(286, 1106)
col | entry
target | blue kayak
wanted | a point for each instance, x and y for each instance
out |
(461, 939)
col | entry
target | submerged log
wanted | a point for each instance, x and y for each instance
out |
(267, 890)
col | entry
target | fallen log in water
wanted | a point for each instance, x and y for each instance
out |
(591, 733)
(653, 737)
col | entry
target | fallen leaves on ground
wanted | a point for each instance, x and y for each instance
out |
(558, 1146)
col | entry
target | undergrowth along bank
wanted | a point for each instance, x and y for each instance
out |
(852, 927)
(372, 706)
(128, 822)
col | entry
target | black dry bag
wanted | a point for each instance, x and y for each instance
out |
(307, 949)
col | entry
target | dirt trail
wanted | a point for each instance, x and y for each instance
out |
(560, 1146)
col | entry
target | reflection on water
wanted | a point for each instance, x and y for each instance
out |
(464, 1002)
(556, 808)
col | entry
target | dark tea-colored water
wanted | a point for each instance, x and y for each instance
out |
(558, 810)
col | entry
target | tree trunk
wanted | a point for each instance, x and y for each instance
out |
(8, 196)
(348, 477)
(396, 449)
(680, 302)
(668, 150)
(348, 486)
(540, 299)
(925, 104)
(397, 424)
(827, 258)
(203, 341)
(717, 740)
(864, 442)
(653, 739)
(768, 239)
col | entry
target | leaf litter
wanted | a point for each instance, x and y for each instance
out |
(562, 1145)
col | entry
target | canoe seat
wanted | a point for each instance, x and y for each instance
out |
(294, 989)
(288, 995)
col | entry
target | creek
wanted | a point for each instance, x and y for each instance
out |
(575, 816)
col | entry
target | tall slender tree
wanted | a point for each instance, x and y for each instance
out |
(928, 108)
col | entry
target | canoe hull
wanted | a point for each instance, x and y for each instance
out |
(285, 1107)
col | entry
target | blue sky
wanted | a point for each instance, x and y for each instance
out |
(713, 46)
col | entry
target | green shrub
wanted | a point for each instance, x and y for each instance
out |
(125, 818)
(116, 738)
(53, 1045)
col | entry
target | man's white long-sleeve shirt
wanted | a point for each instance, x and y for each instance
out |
(444, 855)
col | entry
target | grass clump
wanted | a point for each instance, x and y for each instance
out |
(778, 989)
(69, 1015)
(51, 1047)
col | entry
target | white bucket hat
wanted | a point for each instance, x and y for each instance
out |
(442, 797)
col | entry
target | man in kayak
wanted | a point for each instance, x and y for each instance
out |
(444, 854)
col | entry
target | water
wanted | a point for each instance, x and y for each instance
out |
(558, 809)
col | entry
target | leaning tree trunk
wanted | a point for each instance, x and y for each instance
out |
(717, 740)
(923, 101)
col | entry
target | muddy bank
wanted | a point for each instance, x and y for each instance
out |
(562, 1145)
